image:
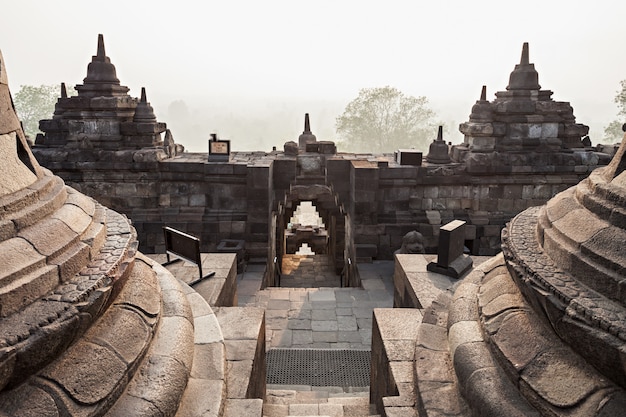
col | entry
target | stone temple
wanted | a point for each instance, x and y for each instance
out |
(92, 326)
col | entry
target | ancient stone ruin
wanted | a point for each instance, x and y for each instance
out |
(519, 151)
(92, 326)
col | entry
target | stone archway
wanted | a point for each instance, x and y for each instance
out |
(331, 241)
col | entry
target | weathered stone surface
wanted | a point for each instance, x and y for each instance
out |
(28, 401)
(490, 397)
(205, 399)
(240, 324)
(241, 407)
(551, 373)
(124, 331)
(17, 175)
(238, 378)
(209, 361)
(87, 372)
(49, 236)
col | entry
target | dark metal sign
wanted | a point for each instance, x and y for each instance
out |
(184, 247)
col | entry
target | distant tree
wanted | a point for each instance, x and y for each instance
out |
(37, 103)
(383, 119)
(613, 131)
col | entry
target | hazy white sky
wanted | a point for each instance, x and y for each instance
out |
(270, 51)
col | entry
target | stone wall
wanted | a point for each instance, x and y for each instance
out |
(234, 200)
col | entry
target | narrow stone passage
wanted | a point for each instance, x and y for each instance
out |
(318, 317)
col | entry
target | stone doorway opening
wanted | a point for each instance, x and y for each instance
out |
(311, 245)
(306, 232)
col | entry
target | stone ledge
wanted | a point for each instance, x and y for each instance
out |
(392, 385)
(206, 389)
(244, 337)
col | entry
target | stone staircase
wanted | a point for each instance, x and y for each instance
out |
(319, 402)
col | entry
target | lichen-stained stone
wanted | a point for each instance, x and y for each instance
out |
(89, 373)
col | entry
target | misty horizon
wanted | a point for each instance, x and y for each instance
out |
(250, 71)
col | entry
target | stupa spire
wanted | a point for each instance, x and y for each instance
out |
(101, 53)
(63, 91)
(483, 93)
(101, 79)
(307, 136)
(144, 113)
(524, 76)
(525, 60)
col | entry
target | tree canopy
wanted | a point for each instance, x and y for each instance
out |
(36, 103)
(383, 119)
(614, 130)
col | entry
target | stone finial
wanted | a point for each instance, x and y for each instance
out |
(63, 91)
(524, 76)
(144, 113)
(101, 79)
(438, 152)
(100, 54)
(306, 136)
(525, 59)
(483, 93)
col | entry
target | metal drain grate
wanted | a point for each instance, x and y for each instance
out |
(319, 367)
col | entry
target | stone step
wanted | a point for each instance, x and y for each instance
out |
(35, 203)
(280, 403)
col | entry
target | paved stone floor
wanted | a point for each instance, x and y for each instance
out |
(321, 317)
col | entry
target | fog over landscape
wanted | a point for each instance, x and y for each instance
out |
(249, 70)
